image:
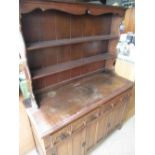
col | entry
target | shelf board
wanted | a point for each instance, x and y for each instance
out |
(53, 69)
(61, 42)
(48, 88)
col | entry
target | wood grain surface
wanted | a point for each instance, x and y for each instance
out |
(70, 48)
(60, 106)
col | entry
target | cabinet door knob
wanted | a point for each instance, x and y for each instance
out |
(83, 144)
(109, 125)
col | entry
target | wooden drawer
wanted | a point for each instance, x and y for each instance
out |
(111, 104)
(81, 123)
(105, 107)
(126, 96)
(92, 116)
(61, 135)
(78, 125)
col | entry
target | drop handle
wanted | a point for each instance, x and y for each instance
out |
(80, 128)
(83, 144)
(63, 136)
(108, 125)
(92, 119)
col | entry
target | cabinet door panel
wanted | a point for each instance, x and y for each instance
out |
(91, 135)
(51, 151)
(64, 148)
(102, 125)
(78, 142)
(117, 113)
(91, 128)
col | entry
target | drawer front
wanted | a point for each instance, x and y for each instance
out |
(111, 104)
(81, 123)
(118, 107)
(78, 125)
(92, 116)
(126, 96)
(106, 107)
(61, 135)
(117, 101)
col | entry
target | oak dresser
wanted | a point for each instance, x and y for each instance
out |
(70, 52)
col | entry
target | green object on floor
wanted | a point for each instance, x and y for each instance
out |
(24, 88)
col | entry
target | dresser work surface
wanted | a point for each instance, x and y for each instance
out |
(64, 104)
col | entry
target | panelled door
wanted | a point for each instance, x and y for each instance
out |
(118, 107)
(78, 142)
(111, 115)
(91, 129)
(103, 125)
(63, 148)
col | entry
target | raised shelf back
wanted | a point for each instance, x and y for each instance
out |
(66, 43)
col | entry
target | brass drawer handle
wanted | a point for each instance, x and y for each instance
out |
(93, 118)
(83, 144)
(80, 128)
(62, 137)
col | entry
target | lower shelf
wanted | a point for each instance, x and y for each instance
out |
(69, 65)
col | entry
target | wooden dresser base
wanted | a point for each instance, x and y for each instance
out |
(79, 123)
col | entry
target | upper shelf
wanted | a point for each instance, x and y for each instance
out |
(72, 8)
(52, 43)
(53, 69)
